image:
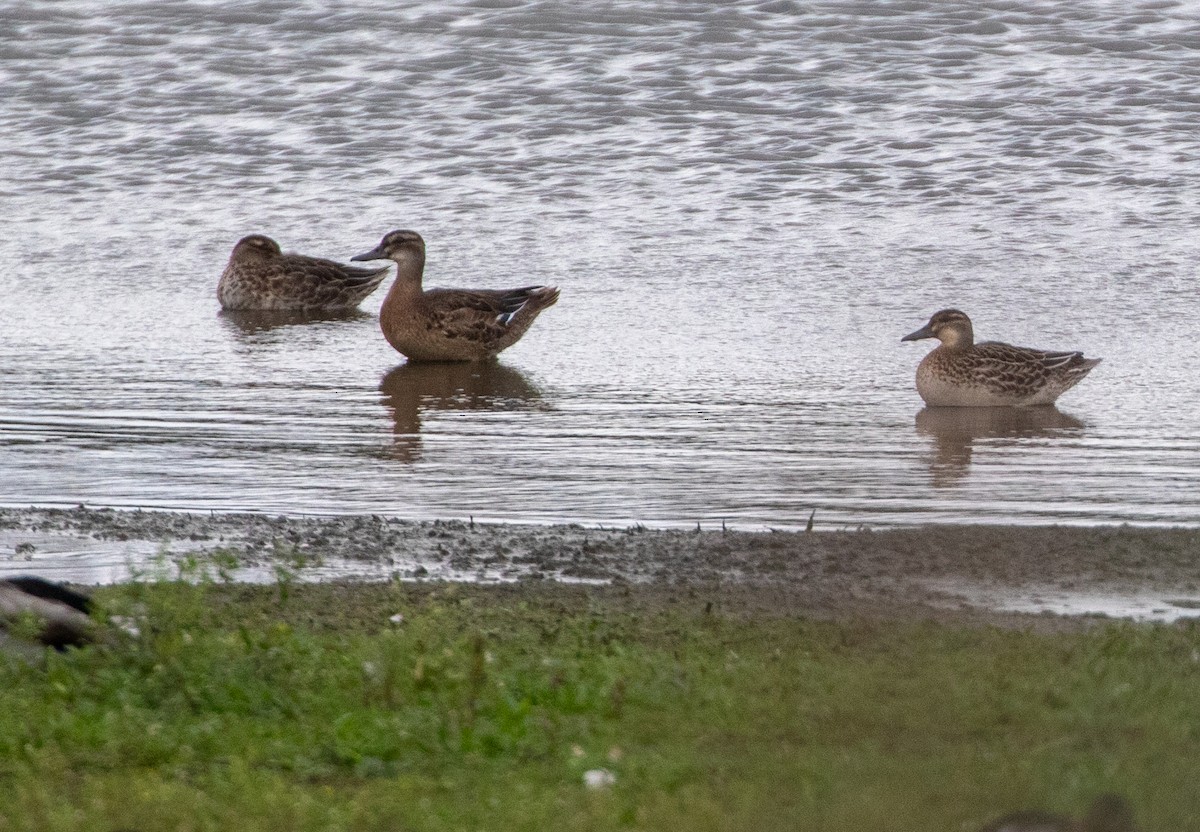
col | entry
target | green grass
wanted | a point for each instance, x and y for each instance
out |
(299, 707)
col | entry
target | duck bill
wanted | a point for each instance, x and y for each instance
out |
(923, 332)
(374, 254)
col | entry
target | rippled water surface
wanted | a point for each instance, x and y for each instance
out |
(745, 206)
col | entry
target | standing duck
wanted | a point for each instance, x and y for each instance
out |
(449, 324)
(961, 373)
(259, 276)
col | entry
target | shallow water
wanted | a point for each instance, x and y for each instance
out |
(1136, 603)
(745, 206)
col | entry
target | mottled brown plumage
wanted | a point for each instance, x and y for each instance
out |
(260, 276)
(449, 324)
(961, 373)
(1108, 813)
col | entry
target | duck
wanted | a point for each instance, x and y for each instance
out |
(1107, 813)
(449, 324)
(259, 276)
(961, 373)
(61, 614)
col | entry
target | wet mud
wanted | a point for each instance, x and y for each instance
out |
(999, 573)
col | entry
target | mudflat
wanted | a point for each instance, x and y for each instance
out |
(999, 574)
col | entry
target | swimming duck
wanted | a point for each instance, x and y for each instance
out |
(449, 324)
(961, 373)
(61, 613)
(1108, 813)
(260, 276)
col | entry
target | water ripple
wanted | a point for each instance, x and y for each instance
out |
(746, 206)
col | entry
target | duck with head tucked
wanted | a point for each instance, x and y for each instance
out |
(961, 373)
(259, 276)
(449, 324)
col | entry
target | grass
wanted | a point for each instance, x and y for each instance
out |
(297, 707)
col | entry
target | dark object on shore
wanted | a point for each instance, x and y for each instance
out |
(1108, 813)
(63, 613)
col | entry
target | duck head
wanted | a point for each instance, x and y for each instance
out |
(950, 326)
(396, 245)
(256, 247)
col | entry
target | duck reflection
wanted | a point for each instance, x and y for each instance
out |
(249, 323)
(414, 388)
(955, 430)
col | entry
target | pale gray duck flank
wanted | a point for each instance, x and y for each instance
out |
(449, 324)
(961, 373)
(259, 276)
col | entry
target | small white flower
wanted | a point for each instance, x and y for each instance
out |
(598, 778)
(127, 624)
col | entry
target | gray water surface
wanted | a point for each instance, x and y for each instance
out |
(745, 207)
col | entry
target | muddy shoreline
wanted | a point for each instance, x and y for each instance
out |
(995, 573)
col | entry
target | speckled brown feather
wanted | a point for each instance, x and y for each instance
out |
(259, 276)
(1018, 373)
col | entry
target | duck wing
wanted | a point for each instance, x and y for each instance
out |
(488, 301)
(317, 271)
(1022, 372)
(319, 283)
(1035, 360)
(478, 314)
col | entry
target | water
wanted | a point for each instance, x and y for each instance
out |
(745, 206)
